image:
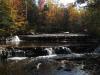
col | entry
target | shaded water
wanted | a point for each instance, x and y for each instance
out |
(43, 68)
(50, 67)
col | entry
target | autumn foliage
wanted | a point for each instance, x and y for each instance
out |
(46, 16)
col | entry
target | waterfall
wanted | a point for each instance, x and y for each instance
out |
(49, 51)
(13, 39)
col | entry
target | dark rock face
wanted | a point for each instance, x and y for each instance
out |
(36, 52)
(62, 50)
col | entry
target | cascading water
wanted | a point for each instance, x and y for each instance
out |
(60, 50)
(49, 51)
(13, 39)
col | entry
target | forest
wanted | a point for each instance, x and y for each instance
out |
(18, 17)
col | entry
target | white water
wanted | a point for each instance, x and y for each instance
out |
(49, 50)
(17, 58)
(13, 39)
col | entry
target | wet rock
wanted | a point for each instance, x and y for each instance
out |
(62, 50)
(67, 69)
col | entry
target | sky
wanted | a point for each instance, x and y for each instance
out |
(65, 3)
(61, 1)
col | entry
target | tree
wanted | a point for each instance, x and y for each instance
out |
(5, 19)
(18, 15)
(92, 20)
(75, 19)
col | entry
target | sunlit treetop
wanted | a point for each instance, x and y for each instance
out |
(64, 3)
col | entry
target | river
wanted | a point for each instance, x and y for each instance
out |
(22, 65)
